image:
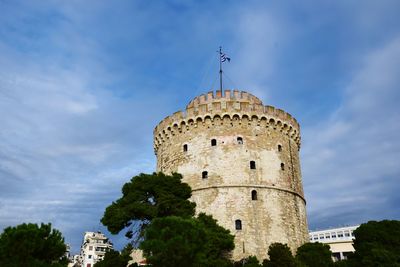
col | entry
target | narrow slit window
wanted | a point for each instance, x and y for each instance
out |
(254, 195)
(204, 175)
(279, 148)
(213, 142)
(252, 165)
(282, 166)
(185, 148)
(240, 140)
(238, 225)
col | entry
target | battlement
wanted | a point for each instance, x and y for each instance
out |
(229, 95)
(238, 105)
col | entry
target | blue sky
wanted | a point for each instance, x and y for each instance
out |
(83, 84)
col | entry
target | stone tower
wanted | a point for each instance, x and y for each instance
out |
(241, 159)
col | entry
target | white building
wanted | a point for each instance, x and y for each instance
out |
(94, 247)
(340, 240)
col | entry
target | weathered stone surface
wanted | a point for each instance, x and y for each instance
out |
(270, 137)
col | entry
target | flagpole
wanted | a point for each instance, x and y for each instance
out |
(220, 68)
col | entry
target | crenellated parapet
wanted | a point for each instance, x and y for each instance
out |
(231, 107)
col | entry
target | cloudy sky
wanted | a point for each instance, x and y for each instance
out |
(83, 83)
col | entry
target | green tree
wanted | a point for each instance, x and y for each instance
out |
(175, 241)
(113, 258)
(145, 197)
(279, 256)
(314, 255)
(250, 261)
(377, 244)
(32, 245)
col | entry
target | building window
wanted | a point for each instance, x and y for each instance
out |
(327, 236)
(238, 225)
(240, 140)
(279, 148)
(282, 166)
(185, 147)
(89, 256)
(252, 165)
(254, 195)
(340, 234)
(90, 247)
(204, 174)
(213, 142)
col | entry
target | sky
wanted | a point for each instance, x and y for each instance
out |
(84, 83)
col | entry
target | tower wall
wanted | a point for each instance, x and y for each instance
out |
(244, 130)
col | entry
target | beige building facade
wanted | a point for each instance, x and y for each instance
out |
(340, 240)
(241, 159)
(93, 249)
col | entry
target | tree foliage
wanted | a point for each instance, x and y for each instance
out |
(377, 244)
(250, 261)
(315, 255)
(279, 256)
(113, 258)
(176, 241)
(149, 196)
(32, 245)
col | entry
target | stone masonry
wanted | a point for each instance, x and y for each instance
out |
(241, 159)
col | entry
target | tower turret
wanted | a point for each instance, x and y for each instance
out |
(241, 159)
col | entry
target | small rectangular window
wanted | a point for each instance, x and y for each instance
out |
(252, 165)
(327, 236)
(213, 142)
(238, 225)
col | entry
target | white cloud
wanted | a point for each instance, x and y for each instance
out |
(350, 162)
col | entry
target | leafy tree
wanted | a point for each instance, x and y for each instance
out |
(250, 261)
(377, 244)
(314, 255)
(145, 197)
(32, 245)
(113, 258)
(176, 241)
(279, 256)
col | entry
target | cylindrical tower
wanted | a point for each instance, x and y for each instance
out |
(241, 159)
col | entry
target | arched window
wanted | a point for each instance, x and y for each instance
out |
(238, 225)
(254, 195)
(240, 140)
(213, 142)
(204, 175)
(252, 165)
(279, 148)
(185, 147)
(282, 166)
